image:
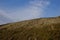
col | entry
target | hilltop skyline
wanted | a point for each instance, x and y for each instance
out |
(18, 10)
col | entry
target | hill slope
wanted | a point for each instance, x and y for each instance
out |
(35, 29)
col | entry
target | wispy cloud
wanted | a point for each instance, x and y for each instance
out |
(35, 9)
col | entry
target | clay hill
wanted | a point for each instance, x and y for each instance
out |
(35, 29)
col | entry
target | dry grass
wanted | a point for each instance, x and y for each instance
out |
(36, 29)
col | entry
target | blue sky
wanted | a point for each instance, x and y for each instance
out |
(18, 10)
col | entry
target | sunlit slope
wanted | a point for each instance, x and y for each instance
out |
(35, 29)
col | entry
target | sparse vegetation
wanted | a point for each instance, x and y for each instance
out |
(36, 29)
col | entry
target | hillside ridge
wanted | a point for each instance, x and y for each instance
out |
(35, 29)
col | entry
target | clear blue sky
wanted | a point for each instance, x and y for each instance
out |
(28, 9)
